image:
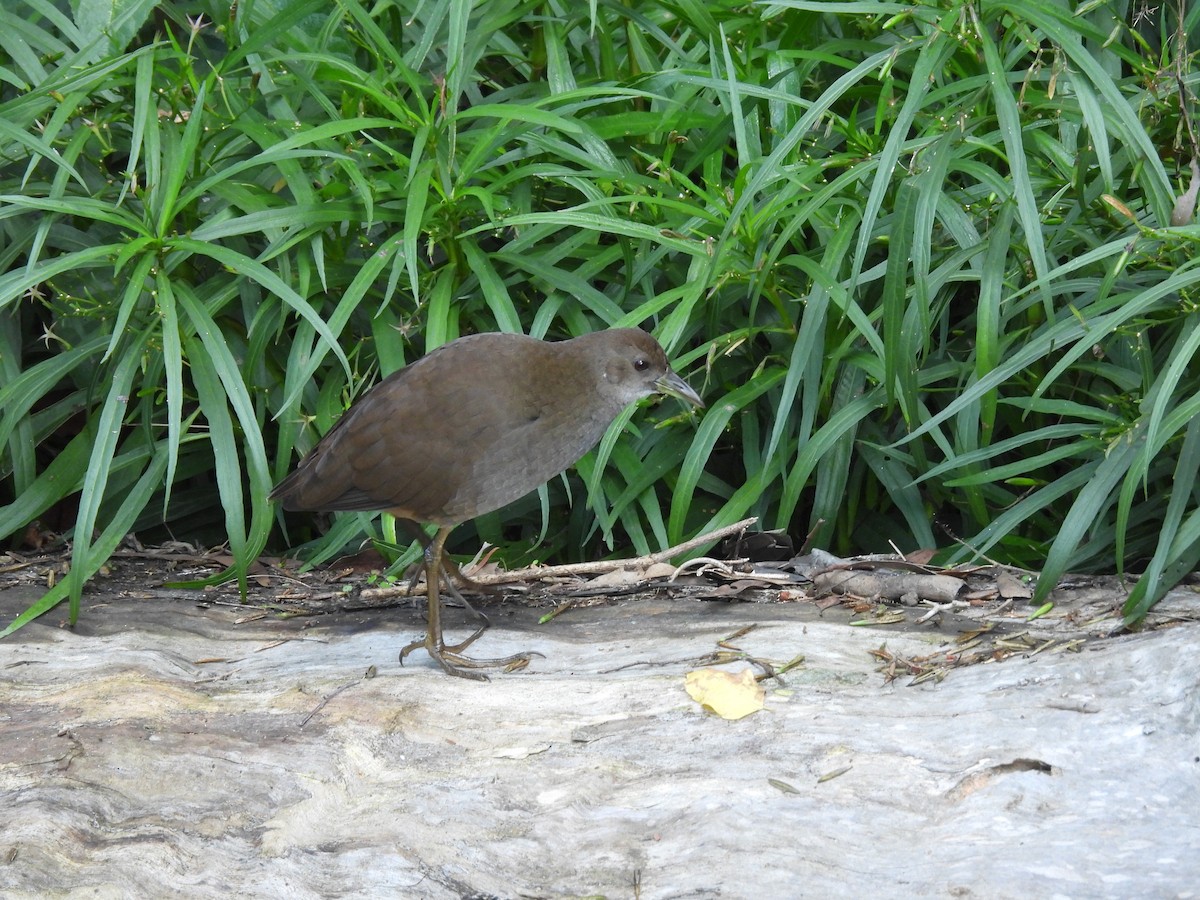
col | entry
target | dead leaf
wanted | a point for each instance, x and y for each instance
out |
(1185, 204)
(724, 591)
(623, 577)
(1119, 207)
(782, 786)
(836, 773)
(729, 695)
(1014, 588)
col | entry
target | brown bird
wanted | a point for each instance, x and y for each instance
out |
(473, 426)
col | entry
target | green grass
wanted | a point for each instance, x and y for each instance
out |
(918, 259)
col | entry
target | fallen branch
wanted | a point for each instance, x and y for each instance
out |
(889, 585)
(538, 573)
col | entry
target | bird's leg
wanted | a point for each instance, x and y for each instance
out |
(450, 658)
(454, 577)
(449, 567)
(433, 643)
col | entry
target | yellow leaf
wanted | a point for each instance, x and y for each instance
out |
(729, 695)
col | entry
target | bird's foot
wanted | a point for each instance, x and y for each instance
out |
(452, 661)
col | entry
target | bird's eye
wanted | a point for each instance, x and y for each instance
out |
(641, 364)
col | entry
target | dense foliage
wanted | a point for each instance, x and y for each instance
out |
(919, 259)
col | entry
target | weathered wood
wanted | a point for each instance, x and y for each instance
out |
(162, 749)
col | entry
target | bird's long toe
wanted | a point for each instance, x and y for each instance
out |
(453, 662)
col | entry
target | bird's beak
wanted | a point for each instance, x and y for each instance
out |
(674, 386)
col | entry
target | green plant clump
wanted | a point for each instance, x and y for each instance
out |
(933, 266)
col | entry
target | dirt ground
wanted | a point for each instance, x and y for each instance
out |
(938, 744)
